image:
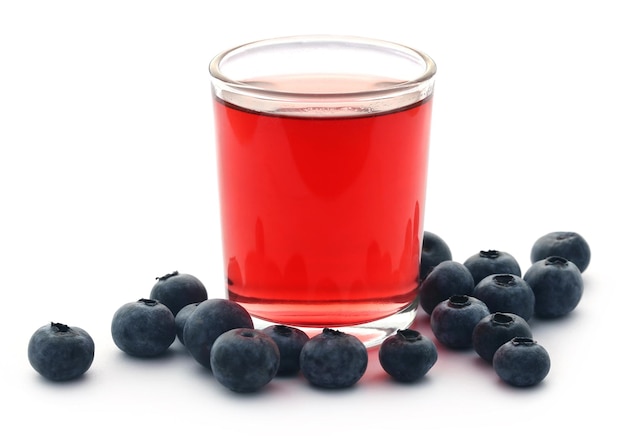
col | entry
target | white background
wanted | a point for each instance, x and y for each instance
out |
(107, 180)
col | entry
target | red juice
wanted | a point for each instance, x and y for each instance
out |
(322, 216)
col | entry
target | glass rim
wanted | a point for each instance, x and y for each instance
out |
(242, 86)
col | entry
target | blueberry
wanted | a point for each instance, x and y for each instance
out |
(446, 279)
(434, 251)
(176, 290)
(407, 356)
(453, 321)
(244, 360)
(557, 284)
(290, 341)
(491, 262)
(569, 245)
(333, 359)
(506, 293)
(521, 362)
(59, 352)
(494, 330)
(143, 328)
(181, 319)
(211, 318)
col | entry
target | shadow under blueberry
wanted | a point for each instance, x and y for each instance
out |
(345, 391)
(381, 379)
(167, 356)
(503, 386)
(70, 383)
(279, 385)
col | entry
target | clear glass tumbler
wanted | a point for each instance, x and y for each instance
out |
(322, 145)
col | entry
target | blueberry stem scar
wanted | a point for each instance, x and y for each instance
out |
(459, 300)
(521, 340)
(59, 327)
(409, 335)
(489, 254)
(332, 332)
(504, 280)
(556, 261)
(282, 330)
(501, 319)
(166, 276)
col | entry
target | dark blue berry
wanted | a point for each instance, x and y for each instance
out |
(569, 245)
(407, 356)
(244, 360)
(446, 279)
(59, 352)
(453, 321)
(333, 359)
(494, 330)
(181, 319)
(290, 341)
(521, 362)
(491, 262)
(211, 318)
(506, 293)
(434, 251)
(557, 285)
(176, 290)
(143, 328)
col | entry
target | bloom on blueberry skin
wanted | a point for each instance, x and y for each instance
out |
(407, 356)
(496, 329)
(453, 321)
(244, 360)
(290, 341)
(434, 251)
(569, 245)
(176, 290)
(446, 279)
(521, 362)
(333, 359)
(506, 293)
(59, 352)
(490, 262)
(557, 285)
(208, 321)
(143, 328)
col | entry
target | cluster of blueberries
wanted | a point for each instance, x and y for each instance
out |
(483, 303)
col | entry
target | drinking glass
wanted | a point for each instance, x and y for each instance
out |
(322, 147)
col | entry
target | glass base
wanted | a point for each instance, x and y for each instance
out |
(371, 334)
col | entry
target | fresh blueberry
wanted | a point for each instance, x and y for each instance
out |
(181, 319)
(453, 321)
(59, 352)
(290, 341)
(569, 245)
(434, 251)
(244, 360)
(494, 330)
(143, 328)
(490, 262)
(521, 362)
(407, 356)
(333, 359)
(446, 279)
(211, 318)
(557, 284)
(506, 293)
(176, 290)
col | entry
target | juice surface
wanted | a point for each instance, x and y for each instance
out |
(322, 216)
